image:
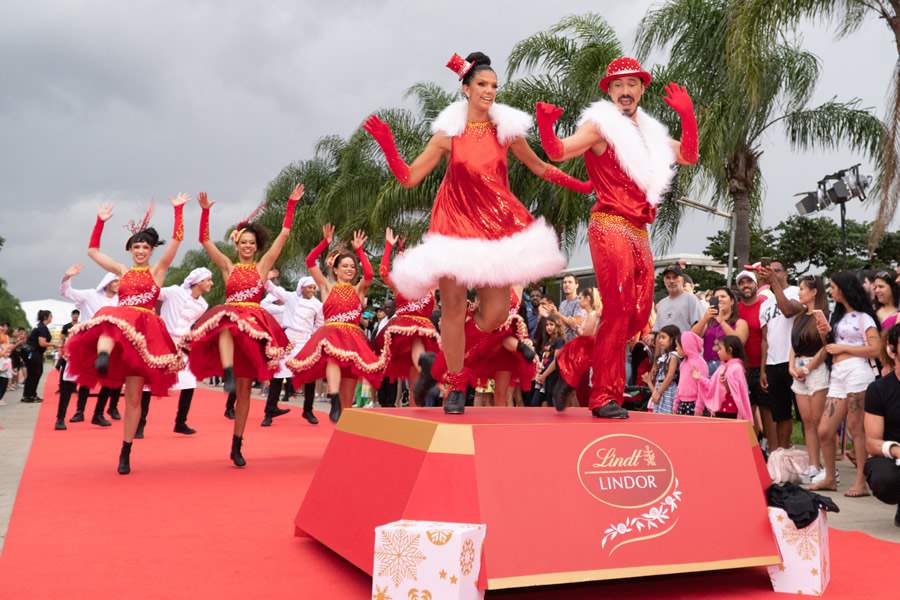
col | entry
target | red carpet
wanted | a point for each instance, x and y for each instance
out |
(186, 524)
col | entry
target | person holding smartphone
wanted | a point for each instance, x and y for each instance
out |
(720, 319)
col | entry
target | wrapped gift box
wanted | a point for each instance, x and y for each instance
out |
(421, 560)
(805, 566)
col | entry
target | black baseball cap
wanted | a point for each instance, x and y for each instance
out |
(675, 269)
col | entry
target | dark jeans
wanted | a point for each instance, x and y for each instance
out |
(883, 477)
(781, 397)
(4, 383)
(35, 366)
(387, 393)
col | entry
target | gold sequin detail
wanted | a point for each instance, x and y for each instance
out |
(246, 304)
(607, 220)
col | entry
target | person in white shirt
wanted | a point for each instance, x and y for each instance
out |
(88, 302)
(181, 306)
(301, 316)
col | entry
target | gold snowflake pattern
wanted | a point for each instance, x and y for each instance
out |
(415, 594)
(398, 555)
(439, 537)
(380, 594)
(467, 557)
(804, 539)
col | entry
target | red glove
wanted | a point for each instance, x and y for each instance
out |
(289, 214)
(204, 225)
(96, 233)
(379, 130)
(677, 97)
(367, 272)
(554, 175)
(314, 254)
(547, 115)
(178, 231)
(384, 270)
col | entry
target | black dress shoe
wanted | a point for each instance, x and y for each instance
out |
(277, 412)
(236, 457)
(125, 459)
(455, 403)
(184, 429)
(267, 421)
(228, 380)
(99, 420)
(27, 399)
(60, 425)
(229, 413)
(526, 351)
(101, 364)
(610, 410)
(309, 416)
(426, 380)
(37, 399)
(78, 417)
(113, 413)
(335, 413)
(561, 393)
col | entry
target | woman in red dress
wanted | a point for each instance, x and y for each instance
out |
(129, 342)
(339, 350)
(410, 340)
(238, 340)
(480, 235)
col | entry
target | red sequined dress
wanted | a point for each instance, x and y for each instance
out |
(259, 341)
(480, 234)
(143, 347)
(411, 321)
(340, 339)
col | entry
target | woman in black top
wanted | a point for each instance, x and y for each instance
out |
(882, 423)
(38, 342)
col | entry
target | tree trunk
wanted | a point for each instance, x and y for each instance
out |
(741, 175)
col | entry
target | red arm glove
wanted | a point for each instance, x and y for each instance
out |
(96, 233)
(368, 274)
(289, 214)
(204, 225)
(178, 230)
(315, 253)
(554, 175)
(384, 270)
(547, 115)
(379, 130)
(677, 97)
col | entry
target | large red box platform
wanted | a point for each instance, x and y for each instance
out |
(565, 497)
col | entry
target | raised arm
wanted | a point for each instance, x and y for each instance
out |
(359, 246)
(686, 151)
(268, 259)
(65, 287)
(160, 268)
(219, 259)
(384, 270)
(94, 253)
(312, 260)
(576, 144)
(277, 291)
(408, 175)
(546, 171)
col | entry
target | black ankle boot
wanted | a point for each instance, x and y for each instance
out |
(228, 379)
(561, 393)
(309, 416)
(99, 420)
(229, 413)
(139, 434)
(455, 402)
(267, 421)
(125, 459)
(526, 351)
(182, 427)
(236, 457)
(113, 413)
(335, 413)
(101, 364)
(426, 380)
(78, 417)
(60, 425)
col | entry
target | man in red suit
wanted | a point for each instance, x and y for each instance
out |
(629, 157)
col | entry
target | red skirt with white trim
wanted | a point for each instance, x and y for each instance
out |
(259, 341)
(143, 348)
(396, 342)
(345, 344)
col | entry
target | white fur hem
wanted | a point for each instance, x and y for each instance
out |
(645, 152)
(511, 122)
(529, 255)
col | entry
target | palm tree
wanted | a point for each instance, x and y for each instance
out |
(757, 21)
(732, 120)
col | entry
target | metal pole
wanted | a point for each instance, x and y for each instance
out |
(730, 268)
(843, 235)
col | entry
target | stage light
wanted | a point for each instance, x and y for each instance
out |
(812, 202)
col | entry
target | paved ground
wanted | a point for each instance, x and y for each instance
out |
(17, 422)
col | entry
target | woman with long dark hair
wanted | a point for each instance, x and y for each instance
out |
(719, 320)
(238, 340)
(480, 235)
(887, 297)
(854, 340)
(129, 342)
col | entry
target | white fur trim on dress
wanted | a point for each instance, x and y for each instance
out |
(528, 255)
(645, 152)
(511, 122)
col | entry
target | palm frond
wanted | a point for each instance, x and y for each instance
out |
(833, 124)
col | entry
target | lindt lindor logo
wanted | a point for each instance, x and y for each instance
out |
(625, 471)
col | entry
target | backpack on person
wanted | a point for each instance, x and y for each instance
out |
(787, 465)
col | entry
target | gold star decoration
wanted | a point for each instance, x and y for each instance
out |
(815, 571)
(443, 574)
(453, 579)
(380, 594)
(779, 518)
(781, 567)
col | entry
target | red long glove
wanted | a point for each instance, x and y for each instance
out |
(313, 257)
(379, 130)
(96, 233)
(289, 214)
(384, 270)
(368, 274)
(204, 225)
(547, 115)
(678, 98)
(554, 175)
(178, 230)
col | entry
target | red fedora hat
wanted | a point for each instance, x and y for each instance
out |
(624, 67)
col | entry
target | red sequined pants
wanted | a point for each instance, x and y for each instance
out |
(623, 265)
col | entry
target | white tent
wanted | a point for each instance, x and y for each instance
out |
(62, 311)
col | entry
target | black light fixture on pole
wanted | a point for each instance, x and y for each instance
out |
(848, 184)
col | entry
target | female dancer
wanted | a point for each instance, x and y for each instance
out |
(238, 340)
(339, 350)
(410, 339)
(480, 235)
(129, 342)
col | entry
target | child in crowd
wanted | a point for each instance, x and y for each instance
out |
(690, 347)
(726, 394)
(663, 380)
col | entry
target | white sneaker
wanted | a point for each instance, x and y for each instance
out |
(820, 476)
(809, 475)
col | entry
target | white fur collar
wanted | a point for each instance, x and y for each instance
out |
(511, 122)
(645, 152)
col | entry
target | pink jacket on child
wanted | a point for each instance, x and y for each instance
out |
(689, 388)
(713, 390)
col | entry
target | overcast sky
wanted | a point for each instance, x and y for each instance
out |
(128, 101)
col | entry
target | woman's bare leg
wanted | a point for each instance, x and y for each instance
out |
(855, 416)
(332, 377)
(835, 411)
(226, 349)
(493, 308)
(501, 388)
(133, 388)
(241, 404)
(105, 344)
(453, 322)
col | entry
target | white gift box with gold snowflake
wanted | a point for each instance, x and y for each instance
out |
(805, 565)
(423, 560)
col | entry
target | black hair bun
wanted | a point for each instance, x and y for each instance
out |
(479, 58)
